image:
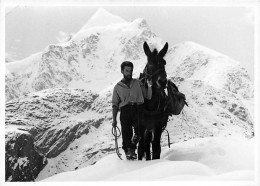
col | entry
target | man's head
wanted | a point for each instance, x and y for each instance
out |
(127, 69)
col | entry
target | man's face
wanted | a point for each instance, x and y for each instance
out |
(127, 72)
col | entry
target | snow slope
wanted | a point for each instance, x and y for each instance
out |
(97, 20)
(207, 159)
(191, 60)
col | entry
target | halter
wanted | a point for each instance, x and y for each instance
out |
(150, 76)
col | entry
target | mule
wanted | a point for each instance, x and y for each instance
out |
(155, 118)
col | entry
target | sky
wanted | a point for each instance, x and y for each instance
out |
(226, 29)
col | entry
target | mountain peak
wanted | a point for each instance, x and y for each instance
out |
(102, 18)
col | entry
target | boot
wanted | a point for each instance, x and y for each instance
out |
(133, 155)
(127, 153)
(130, 154)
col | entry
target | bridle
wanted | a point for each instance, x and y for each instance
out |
(150, 76)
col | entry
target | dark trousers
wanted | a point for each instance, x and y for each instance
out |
(131, 117)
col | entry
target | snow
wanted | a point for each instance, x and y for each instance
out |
(22, 162)
(201, 159)
(15, 130)
(97, 20)
(84, 116)
(103, 21)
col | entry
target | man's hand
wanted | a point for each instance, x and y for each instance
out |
(114, 124)
(150, 83)
(115, 111)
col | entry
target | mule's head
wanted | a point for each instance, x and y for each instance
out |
(155, 68)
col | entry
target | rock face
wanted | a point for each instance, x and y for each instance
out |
(49, 115)
(58, 102)
(22, 160)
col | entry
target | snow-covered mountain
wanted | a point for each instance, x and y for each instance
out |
(90, 60)
(196, 62)
(61, 97)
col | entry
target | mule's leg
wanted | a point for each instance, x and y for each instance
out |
(147, 144)
(140, 150)
(156, 144)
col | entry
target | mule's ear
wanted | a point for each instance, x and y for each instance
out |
(164, 50)
(147, 50)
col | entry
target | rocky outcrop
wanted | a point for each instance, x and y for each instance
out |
(51, 117)
(22, 161)
(43, 124)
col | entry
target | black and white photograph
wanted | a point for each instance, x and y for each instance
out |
(112, 91)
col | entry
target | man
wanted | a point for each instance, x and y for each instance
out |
(128, 97)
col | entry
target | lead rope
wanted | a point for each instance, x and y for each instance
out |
(168, 136)
(164, 128)
(114, 132)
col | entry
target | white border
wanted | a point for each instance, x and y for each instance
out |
(218, 3)
(2, 90)
(257, 93)
(191, 3)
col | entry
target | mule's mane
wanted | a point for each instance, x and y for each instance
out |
(155, 51)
